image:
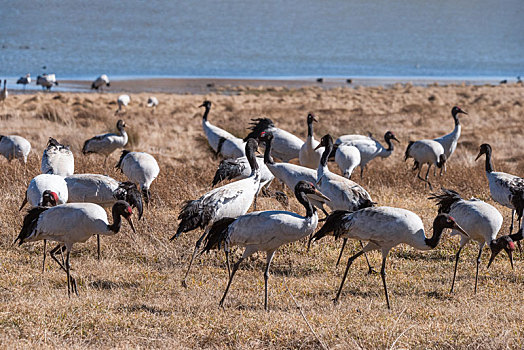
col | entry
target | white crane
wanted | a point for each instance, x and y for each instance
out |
(122, 101)
(265, 231)
(309, 155)
(104, 191)
(231, 200)
(46, 81)
(100, 82)
(14, 147)
(152, 102)
(481, 221)
(107, 143)
(344, 193)
(289, 174)
(221, 141)
(368, 147)
(428, 152)
(4, 93)
(506, 189)
(347, 158)
(449, 141)
(71, 223)
(238, 169)
(140, 168)
(42, 183)
(286, 146)
(46, 190)
(384, 228)
(57, 159)
(24, 80)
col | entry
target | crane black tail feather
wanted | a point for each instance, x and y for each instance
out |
(217, 234)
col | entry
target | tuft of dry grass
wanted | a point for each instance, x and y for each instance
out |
(133, 297)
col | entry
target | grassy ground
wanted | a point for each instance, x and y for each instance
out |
(133, 296)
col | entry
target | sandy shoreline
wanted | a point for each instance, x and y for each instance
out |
(225, 85)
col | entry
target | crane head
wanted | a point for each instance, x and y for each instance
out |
(206, 104)
(311, 118)
(497, 245)
(484, 149)
(456, 110)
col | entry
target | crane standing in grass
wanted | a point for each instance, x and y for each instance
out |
(107, 143)
(309, 155)
(384, 228)
(428, 152)
(449, 141)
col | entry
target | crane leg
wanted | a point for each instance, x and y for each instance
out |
(325, 213)
(43, 261)
(383, 275)
(98, 246)
(341, 251)
(52, 253)
(426, 179)
(195, 252)
(370, 268)
(477, 273)
(455, 270)
(511, 226)
(266, 277)
(235, 268)
(227, 263)
(350, 261)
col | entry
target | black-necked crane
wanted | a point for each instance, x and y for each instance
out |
(141, 168)
(344, 193)
(100, 82)
(24, 80)
(449, 141)
(309, 155)
(57, 159)
(122, 101)
(265, 231)
(286, 146)
(347, 158)
(384, 228)
(4, 93)
(104, 191)
(506, 189)
(107, 143)
(71, 223)
(481, 221)
(288, 173)
(428, 152)
(368, 147)
(14, 147)
(231, 200)
(46, 81)
(238, 169)
(152, 102)
(222, 142)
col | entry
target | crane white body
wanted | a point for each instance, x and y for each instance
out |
(309, 155)
(107, 143)
(57, 159)
(100, 82)
(14, 147)
(449, 141)
(44, 182)
(347, 158)
(426, 152)
(24, 80)
(123, 101)
(46, 81)
(152, 102)
(139, 167)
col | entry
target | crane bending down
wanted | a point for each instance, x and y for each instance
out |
(428, 152)
(231, 200)
(481, 221)
(57, 159)
(71, 223)
(141, 168)
(265, 231)
(384, 228)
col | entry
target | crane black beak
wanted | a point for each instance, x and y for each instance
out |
(131, 224)
(394, 138)
(315, 119)
(461, 111)
(460, 229)
(480, 153)
(494, 253)
(319, 145)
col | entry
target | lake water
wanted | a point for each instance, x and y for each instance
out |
(252, 38)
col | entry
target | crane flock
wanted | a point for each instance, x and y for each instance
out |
(68, 208)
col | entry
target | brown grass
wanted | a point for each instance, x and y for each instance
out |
(133, 297)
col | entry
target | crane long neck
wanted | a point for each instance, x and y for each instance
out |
(435, 239)
(391, 147)
(206, 112)
(268, 159)
(310, 129)
(117, 222)
(456, 118)
(251, 158)
(327, 151)
(489, 164)
(302, 198)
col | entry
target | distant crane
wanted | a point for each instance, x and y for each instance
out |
(449, 141)
(309, 155)
(24, 80)
(122, 101)
(384, 228)
(265, 231)
(72, 223)
(100, 82)
(46, 81)
(481, 221)
(4, 93)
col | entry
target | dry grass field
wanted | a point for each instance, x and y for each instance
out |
(133, 298)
